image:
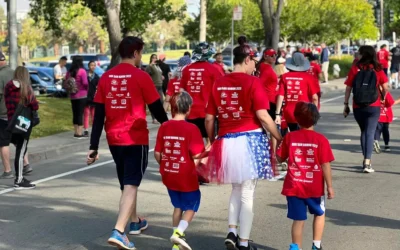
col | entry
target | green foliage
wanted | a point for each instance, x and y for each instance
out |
(33, 34)
(345, 63)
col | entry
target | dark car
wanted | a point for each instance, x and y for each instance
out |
(46, 75)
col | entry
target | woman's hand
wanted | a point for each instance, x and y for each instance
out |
(278, 120)
(346, 110)
(92, 156)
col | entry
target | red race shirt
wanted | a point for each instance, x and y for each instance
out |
(315, 70)
(386, 109)
(269, 79)
(174, 86)
(235, 98)
(383, 57)
(296, 87)
(381, 79)
(178, 142)
(125, 90)
(306, 151)
(219, 67)
(198, 79)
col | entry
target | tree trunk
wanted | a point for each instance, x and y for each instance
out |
(266, 12)
(114, 29)
(102, 47)
(56, 50)
(276, 28)
(203, 20)
(80, 49)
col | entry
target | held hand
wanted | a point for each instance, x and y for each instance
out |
(92, 156)
(278, 120)
(331, 193)
(346, 111)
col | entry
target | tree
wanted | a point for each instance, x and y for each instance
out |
(271, 12)
(203, 20)
(33, 34)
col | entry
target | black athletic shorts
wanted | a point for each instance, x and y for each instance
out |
(5, 136)
(131, 163)
(395, 68)
(272, 110)
(201, 124)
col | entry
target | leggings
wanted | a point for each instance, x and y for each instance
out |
(21, 146)
(160, 92)
(241, 207)
(78, 106)
(88, 114)
(382, 128)
(367, 119)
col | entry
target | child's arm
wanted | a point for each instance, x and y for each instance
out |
(326, 168)
(157, 155)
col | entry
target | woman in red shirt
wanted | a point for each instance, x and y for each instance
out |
(241, 154)
(366, 115)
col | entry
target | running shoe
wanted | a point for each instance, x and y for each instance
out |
(377, 147)
(85, 133)
(316, 248)
(178, 238)
(294, 247)
(231, 241)
(120, 241)
(23, 185)
(175, 247)
(7, 175)
(136, 228)
(368, 168)
(249, 247)
(387, 149)
(27, 169)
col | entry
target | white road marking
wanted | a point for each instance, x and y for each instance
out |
(8, 190)
(332, 99)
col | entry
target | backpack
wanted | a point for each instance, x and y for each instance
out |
(365, 91)
(70, 85)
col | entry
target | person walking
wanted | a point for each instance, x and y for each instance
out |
(325, 61)
(157, 76)
(240, 155)
(166, 71)
(78, 75)
(369, 85)
(395, 65)
(219, 63)
(385, 118)
(88, 113)
(19, 91)
(120, 103)
(383, 58)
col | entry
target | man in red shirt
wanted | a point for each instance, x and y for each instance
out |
(316, 72)
(121, 98)
(198, 79)
(383, 58)
(219, 63)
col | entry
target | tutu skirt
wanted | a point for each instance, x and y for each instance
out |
(238, 157)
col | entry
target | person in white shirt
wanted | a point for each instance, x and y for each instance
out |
(60, 70)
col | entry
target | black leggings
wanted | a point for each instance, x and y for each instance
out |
(78, 106)
(382, 128)
(21, 145)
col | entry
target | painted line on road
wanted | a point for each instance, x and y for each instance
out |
(8, 190)
(332, 99)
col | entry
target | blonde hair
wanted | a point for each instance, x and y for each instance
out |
(21, 75)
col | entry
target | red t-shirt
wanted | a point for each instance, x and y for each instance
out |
(219, 67)
(306, 151)
(383, 57)
(381, 79)
(315, 70)
(296, 87)
(125, 90)
(198, 79)
(386, 109)
(235, 98)
(178, 142)
(174, 86)
(269, 79)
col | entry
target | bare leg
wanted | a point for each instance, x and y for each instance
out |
(318, 227)
(188, 216)
(176, 217)
(76, 129)
(80, 130)
(297, 232)
(5, 158)
(127, 207)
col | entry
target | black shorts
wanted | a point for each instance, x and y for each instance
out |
(201, 124)
(272, 110)
(5, 136)
(131, 163)
(395, 68)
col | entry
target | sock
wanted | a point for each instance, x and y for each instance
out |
(317, 243)
(118, 231)
(183, 225)
(233, 230)
(174, 228)
(244, 243)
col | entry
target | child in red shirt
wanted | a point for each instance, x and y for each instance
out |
(309, 155)
(385, 119)
(178, 144)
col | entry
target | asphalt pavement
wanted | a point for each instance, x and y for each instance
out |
(75, 206)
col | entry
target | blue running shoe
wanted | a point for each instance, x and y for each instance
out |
(120, 241)
(136, 228)
(294, 247)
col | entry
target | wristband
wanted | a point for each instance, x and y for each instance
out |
(277, 114)
(346, 103)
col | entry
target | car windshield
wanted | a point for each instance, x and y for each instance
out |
(103, 58)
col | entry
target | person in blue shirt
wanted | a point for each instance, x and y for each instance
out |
(325, 61)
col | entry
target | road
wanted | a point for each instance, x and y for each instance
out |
(76, 207)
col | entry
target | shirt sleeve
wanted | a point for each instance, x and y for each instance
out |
(389, 101)
(211, 106)
(84, 78)
(382, 78)
(282, 87)
(185, 78)
(148, 88)
(196, 145)
(57, 70)
(259, 96)
(100, 93)
(170, 87)
(159, 141)
(283, 148)
(325, 151)
(351, 75)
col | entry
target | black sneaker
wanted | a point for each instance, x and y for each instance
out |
(316, 248)
(27, 169)
(387, 149)
(249, 247)
(231, 241)
(85, 133)
(24, 184)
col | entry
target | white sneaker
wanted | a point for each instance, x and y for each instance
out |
(368, 169)
(377, 147)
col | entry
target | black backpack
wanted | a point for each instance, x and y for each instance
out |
(365, 91)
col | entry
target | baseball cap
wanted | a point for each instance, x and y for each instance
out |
(270, 52)
(2, 56)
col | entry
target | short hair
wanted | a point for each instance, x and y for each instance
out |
(187, 53)
(91, 62)
(129, 45)
(306, 114)
(383, 46)
(181, 103)
(217, 54)
(288, 46)
(63, 58)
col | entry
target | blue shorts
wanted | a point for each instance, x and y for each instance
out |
(185, 200)
(297, 207)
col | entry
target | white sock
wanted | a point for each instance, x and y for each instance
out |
(244, 243)
(174, 228)
(183, 225)
(233, 230)
(317, 243)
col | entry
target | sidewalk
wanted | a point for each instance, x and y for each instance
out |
(337, 84)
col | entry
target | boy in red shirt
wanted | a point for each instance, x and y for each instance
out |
(385, 119)
(178, 144)
(309, 155)
(383, 57)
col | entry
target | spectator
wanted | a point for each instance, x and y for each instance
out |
(288, 51)
(60, 70)
(166, 71)
(383, 57)
(187, 53)
(325, 62)
(395, 67)
(155, 73)
(93, 80)
(219, 63)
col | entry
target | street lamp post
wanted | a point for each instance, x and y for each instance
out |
(12, 31)
(382, 24)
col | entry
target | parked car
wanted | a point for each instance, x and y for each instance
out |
(40, 64)
(99, 71)
(37, 83)
(100, 59)
(46, 75)
(105, 66)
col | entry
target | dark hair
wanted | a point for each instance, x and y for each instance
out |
(187, 53)
(288, 46)
(151, 58)
(90, 63)
(77, 63)
(129, 45)
(368, 57)
(383, 46)
(306, 114)
(217, 54)
(242, 51)
(63, 58)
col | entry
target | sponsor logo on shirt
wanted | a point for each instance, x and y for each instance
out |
(110, 95)
(316, 167)
(177, 152)
(293, 166)
(310, 160)
(236, 115)
(231, 108)
(124, 89)
(235, 95)
(192, 74)
(289, 82)
(298, 88)
(167, 164)
(234, 102)
(167, 144)
(177, 144)
(114, 88)
(310, 152)
(167, 151)
(297, 83)
(295, 96)
(225, 116)
(223, 102)
(297, 174)
(224, 95)
(297, 159)
(120, 95)
(124, 82)
(199, 74)
(198, 87)
(114, 102)
(114, 82)
(182, 159)
(305, 166)
(289, 87)
(123, 101)
(298, 152)
(309, 175)
(128, 95)
(175, 165)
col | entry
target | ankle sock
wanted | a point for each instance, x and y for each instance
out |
(183, 225)
(118, 231)
(317, 243)
(244, 243)
(233, 230)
